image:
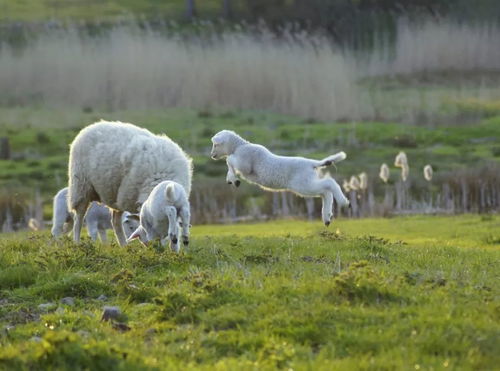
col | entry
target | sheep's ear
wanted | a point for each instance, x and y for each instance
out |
(135, 217)
(170, 192)
(136, 234)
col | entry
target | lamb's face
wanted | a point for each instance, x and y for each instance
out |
(220, 145)
(130, 222)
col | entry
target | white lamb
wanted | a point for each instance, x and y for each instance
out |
(160, 213)
(118, 165)
(97, 219)
(258, 165)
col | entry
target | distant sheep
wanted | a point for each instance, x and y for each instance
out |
(118, 165)
(258, 165)
(97, 219)
(159, 215)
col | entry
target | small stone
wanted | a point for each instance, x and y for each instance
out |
(4, 301)
(36, 339)
(110, 313)
(68, 301)
(46, 306)
(102, 298)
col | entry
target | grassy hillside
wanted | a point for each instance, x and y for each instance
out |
(406, 293)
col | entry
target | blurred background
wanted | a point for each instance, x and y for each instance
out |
(303, 77)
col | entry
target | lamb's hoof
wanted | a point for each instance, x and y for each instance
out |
(237, 183)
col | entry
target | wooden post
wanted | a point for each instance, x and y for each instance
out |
(4, 148)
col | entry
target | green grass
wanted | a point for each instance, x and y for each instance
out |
(402, 293)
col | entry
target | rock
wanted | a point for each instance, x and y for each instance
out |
(36, 339)
(102, 298)
(4, 301)
(110, 313)
(68, 301)
(46, 306)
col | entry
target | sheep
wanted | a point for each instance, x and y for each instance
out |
(159, 215)
(118, 164)
(97, 219)
(258, 165)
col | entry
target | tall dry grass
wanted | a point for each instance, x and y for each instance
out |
(296, 73)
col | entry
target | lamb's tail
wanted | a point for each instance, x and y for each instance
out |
(331, 160)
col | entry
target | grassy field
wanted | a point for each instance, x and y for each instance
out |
(405, 293)
(39, 141)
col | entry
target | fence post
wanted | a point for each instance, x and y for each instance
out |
(4, 148)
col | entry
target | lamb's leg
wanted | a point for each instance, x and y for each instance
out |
(231, 177)
(78, 216)
(103, 235)
(185, 216)
(92, 230)
(337, 192)
(327, 208)
(116, 221)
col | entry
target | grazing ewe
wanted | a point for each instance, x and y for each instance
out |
(118, 165)
(98, 217)
(159, 215)
(258, 165)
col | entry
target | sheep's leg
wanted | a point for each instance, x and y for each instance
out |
(78, 216)
(231, 177)
(185, 216)
(327, 208)
(103, 235)
(92, 230)
(116, 221)
(334, 187)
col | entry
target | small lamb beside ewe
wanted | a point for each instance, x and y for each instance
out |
(97, 218)
(258, 165)
(159, 216)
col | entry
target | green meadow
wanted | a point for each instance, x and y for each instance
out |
(399, 293)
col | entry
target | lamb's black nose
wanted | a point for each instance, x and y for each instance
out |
(237, 183)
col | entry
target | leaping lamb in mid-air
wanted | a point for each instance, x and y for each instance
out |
(258, 165)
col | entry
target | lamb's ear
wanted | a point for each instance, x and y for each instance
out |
(135, 217)
(170, 192)
(135, 234)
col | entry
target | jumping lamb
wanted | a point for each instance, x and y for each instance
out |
(160, 213)
(119, 164)
(97, 219)
(258, 165)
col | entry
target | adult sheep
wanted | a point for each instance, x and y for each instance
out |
(118, 164)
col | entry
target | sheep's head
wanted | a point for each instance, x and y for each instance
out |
(224, 143)
(130, 222)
